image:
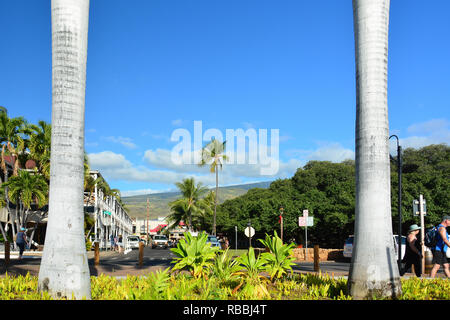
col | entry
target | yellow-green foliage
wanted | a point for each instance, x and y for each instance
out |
(425, 289)
(162, 285)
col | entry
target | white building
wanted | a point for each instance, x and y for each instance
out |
(111, 219)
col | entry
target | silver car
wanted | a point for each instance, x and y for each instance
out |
(213, 241)
(348, 246)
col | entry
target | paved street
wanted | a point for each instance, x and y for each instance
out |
(120, 265)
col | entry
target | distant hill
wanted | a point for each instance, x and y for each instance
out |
(159, 202)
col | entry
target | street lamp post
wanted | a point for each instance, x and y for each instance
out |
(281, 223)
(249, 225)
(399, 171)
(235, 234)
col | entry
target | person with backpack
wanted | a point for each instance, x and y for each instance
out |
(440, 250)
(413, 253)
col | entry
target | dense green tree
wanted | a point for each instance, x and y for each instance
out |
(327, 190)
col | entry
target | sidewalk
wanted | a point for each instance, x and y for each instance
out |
(31, 263)
(31, 260)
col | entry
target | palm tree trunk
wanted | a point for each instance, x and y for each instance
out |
(3, 231)
(374, 268)
(64, 268)
(215, 200)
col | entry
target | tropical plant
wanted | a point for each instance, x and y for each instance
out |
(64, 270)
(252, 280)
(190, 204)
(225, 268)
(12, 143)
(39, 146)
(194, 254)
(25, 189)
(375, 247)
(280, 257)
(213, 155)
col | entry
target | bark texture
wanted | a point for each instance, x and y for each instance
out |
(64, 270)
(374, 268)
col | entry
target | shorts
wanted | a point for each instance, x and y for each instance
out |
(439, 257)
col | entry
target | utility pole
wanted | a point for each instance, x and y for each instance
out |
(422, 230)
(148, 216)
(235, 233)
(399, 173)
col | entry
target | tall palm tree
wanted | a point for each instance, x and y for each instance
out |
(213, 154)
(189, 204)
(39, 146)
(64, 267)
(374, 267)
(11, 141)
(25, 189)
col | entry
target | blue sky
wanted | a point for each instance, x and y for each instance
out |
(158, 65)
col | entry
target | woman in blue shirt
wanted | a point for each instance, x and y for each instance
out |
(440, 251)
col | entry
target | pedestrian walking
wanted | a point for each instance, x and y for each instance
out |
(413, 253)
(21, 241)
(120, 243)
(116, 243)
(440, 251)
(111, 239)
(227, 243)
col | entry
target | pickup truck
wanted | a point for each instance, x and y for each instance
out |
(160, 241)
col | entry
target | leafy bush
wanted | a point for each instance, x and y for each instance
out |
(194, 254)
(251, 276)
(280, 258)
(225, 269)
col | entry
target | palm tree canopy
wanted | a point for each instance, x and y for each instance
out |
(27, 188)
(190, 204)
(213, 154)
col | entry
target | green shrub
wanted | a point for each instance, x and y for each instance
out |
(280, 258)
(194, 254)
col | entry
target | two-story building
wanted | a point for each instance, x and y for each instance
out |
(111, 219)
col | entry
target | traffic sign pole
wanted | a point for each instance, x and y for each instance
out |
(422, 232)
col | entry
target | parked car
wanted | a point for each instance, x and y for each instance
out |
(348, 246)
(160, 241)
(213, 241)
(133, 242)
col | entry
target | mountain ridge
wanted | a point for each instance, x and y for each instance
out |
(159, 202)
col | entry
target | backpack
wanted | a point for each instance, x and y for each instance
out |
(431, 237)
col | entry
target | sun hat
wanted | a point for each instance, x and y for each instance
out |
(413, 227)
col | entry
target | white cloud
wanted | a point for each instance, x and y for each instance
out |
(177, 122)
(434, 131)
(330, 151)
(333, 152)
(126, 142)
(130, 193)
(115, 167)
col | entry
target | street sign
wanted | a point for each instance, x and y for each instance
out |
(305, 212)
(305, 221)
(301, 221)
(416, 207)
(249, 232)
